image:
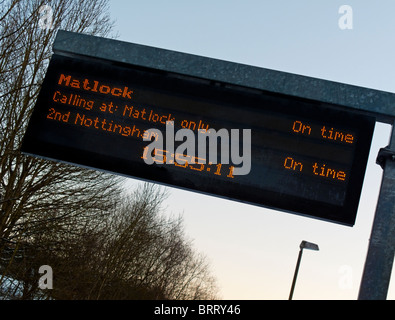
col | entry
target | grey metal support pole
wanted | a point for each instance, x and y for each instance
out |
(380, 256)
(295, 274)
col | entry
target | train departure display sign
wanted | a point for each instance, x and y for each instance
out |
(292, 154)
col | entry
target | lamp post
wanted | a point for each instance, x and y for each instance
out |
(303, 245)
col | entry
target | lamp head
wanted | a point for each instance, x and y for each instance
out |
(308, 245)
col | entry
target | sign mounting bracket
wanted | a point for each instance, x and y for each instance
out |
(385, 154)
(381, 251)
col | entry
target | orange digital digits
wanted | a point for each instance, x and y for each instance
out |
(179, 160)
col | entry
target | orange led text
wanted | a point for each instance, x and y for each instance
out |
(325, 132)
(94, 86)
(319, 170)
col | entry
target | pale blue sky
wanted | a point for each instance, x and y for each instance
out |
(253, 251)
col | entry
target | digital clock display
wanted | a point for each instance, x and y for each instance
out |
(306, 157)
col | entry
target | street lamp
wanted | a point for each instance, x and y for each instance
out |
(303, 245)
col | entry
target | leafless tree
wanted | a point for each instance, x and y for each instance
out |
(136, 253)
(38, 195)
(101, 243)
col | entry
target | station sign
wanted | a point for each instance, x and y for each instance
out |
(304, 156)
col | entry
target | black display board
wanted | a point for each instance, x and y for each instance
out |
(307, 157)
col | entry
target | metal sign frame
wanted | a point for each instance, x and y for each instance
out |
(290, 170)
